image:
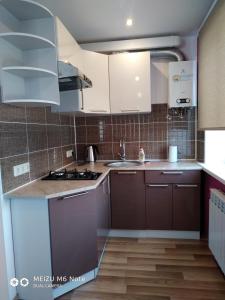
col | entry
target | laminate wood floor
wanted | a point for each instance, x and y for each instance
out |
(154, 269)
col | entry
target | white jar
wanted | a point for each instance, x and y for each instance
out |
(141, 155)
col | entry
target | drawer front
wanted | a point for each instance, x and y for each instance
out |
(175, 176)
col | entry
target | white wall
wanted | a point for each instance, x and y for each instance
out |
(215, 148)
(7, 270)
(159, 80)
(189, 47)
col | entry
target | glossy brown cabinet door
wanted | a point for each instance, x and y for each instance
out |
(186, 207)
(128, 200)
(159, 206)
(103, 215)
(73, 228)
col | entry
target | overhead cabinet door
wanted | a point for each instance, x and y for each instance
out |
(68, 48)
(130, 82)
(96, 67)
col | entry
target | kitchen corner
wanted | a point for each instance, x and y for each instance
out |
(112, 138)
(97, 209)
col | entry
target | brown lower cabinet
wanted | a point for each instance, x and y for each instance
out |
(173, 200)
(162, 200)
(159, 206)
(186, 207)
(128, 199)
(73, 228)
(103, 215)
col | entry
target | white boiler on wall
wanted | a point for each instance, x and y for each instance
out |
(182, 84)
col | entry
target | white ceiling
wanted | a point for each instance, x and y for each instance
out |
(103, 20)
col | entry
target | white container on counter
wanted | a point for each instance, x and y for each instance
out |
(172, 153)
(141, 155)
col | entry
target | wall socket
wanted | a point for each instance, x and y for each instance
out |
(69, 153)
(21, 169)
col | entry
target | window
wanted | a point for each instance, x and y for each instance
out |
(215, 147)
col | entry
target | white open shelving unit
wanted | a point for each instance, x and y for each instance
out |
(28, 53)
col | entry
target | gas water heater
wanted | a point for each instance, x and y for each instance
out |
(182, 84)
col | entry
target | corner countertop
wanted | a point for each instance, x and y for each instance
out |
(51, 189)
(216, 171)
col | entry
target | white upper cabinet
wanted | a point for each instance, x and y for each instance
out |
(68, 48)
(96, 67)
(93, 65)
(130, 85)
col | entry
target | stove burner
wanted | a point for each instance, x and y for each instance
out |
(72, 175)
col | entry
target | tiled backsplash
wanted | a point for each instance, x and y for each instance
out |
(153, 131)
(37, 136)
(33, 135)
(201, 146)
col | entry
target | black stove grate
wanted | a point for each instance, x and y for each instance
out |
(72, 175)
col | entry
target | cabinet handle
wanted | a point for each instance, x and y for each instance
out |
(157, 185)
(126, 173)
(75, 195)
(82, 97)
(127, 110)
(98, 110)
(173, 173)
(186, 185)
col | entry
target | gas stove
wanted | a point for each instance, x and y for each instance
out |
(72, 175)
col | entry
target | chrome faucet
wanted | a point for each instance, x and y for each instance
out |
(122, 153)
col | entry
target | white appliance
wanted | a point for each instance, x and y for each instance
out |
(182, 84)
(217, 227)
(90, 154)
(172, 154)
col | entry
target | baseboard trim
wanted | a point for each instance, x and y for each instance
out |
(155, 234)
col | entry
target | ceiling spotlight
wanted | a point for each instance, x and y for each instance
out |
(137, 78)
(129, 22)
(139, 94)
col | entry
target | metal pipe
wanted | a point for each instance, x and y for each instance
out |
(177, 54)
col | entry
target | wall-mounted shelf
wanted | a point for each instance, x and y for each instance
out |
(29, 71)
(26, 9)
(23, 84)
(36, 102)
(28, 54)
(25, 41)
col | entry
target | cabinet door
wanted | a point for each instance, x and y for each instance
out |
(103, 216)
(159, 206)
(186, 207)
(130, 89)
(73, 234)
(68, 48)
(128, 200)
(96, 67)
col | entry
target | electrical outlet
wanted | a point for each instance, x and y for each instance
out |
(21, 169)
(69, 153)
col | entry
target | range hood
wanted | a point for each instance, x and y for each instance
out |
(70, 78)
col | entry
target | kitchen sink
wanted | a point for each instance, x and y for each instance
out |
(125, 163)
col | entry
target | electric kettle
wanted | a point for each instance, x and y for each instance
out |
(91, 153)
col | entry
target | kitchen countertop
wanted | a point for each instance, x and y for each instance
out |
(51, 189)
(216, 171)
